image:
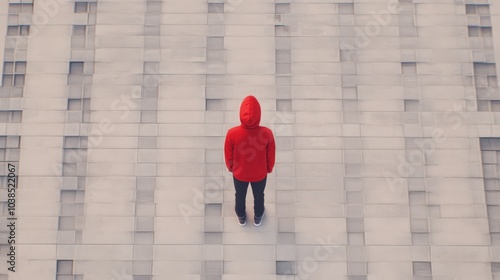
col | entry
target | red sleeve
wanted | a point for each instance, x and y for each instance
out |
(229, 152)
(271, 153)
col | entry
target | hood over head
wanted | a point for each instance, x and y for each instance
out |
(250, 112)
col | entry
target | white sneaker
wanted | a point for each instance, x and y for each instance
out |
(242, 221)
(258, 220)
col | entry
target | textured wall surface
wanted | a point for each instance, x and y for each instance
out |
(386, 115)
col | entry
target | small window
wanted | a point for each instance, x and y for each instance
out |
(216, 7)
(214, 104)
(282, 8)
(92, 8)
(409, 68)
(76, 68)
(86, 117)
(422, 269)
(18, 30)
(7, 80)
(81, 7)
(486, 32)
(79, 30)
(474, 31)
(64, 267)
(10, 116)
(18, 8)
(471, 9)
(411, 105)
(4, 117)
(483, 105)
(13, 30)
(71, 142)
(16, 116)
(483, 10)
(19, 80)
(15, 8)
(24, 30)
(477, 9)
(74, 105)
(20, 67)
(86, 105)
(8, 68)
(495, 105)
(13, 141)
(27, 8)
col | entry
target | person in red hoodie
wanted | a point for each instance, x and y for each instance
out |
(249, 151)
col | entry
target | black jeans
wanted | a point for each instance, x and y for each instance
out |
(241, 194)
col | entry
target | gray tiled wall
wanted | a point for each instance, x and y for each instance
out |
(385, 115)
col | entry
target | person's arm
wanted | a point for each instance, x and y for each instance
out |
(229, 152)
(271, 152)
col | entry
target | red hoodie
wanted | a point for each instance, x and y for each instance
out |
(249, 149)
